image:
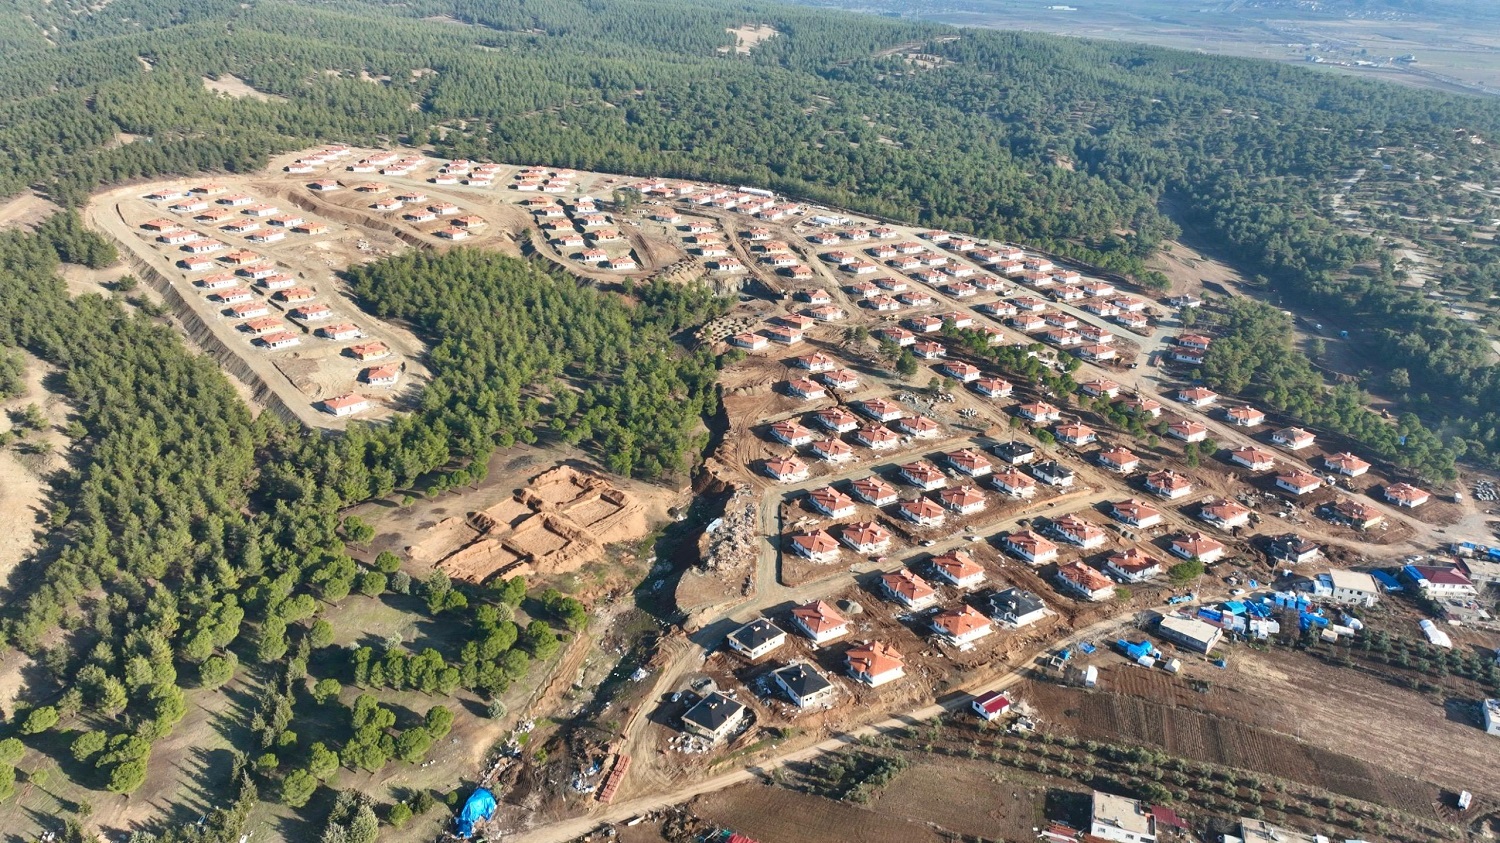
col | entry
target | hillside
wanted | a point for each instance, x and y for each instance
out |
(208, 612)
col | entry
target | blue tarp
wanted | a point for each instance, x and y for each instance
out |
(1388, 582)
(1235, 607)
(1210, 614)
(1308, 620)
(1087, 648)
(1134, 649)
(481, 806)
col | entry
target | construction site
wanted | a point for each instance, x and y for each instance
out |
(875, 437)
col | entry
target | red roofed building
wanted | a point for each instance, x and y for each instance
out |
(820, 621)
(908, 589)
(1085, 582)
(875, 664)
(815, 545)
(962, 626)
(866, 537)
(958, 569)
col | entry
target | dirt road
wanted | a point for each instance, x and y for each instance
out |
(561, 832)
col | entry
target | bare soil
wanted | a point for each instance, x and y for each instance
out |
(233, 86)
(773, 814)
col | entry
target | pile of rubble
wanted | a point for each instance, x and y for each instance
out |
(732, 542)
(1484, 490)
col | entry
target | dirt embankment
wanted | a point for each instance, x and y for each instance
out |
(202, 336)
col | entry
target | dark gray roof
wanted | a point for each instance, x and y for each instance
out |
(1052, 468)
(1013, 602)
(1291, 544)
(802, 679)
(756, 633)
(1011, 450)
(712, 712)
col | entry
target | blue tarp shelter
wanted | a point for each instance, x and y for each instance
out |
(1388, 582)
(481, 806)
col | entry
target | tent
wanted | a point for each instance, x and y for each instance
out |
(481, 806)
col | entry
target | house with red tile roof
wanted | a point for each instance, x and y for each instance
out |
(1030, 547)
(311, 312)
(866, 537)
(969, 462)
(877, 437)
(1100, 387)
(369, 351)
(820, 621)
(1014, 483)
(958, 569)
(832, 450)
(840, 380)
(1136, 513)
(962, 500)
(1407, 495)
(837, 419)
(1133, 565)
(1253, 458)
(924, 475)
(1196, 545)
(1187, 430)
(787, 469)
(993, 387)
(1085, 582)
(908, 589)
(875, 664)
(875, 491)
(1346, 464)
(1079, 531)
(1169, 484)
(347, 405)
(1076, 434)
(1224, 514)
(919, 427)
(962, 626)
(922, 512)
(1140, 405)
(1197, 396)
(1299, 482)
(384, 375)
(1293, 438)
(815, 545)
(831, 502)
(791, 433)
(1244, 416)
(1119, 460)
(806, 389)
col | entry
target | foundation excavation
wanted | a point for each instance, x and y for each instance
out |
(562, 520)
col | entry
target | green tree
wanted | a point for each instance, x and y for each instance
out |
(87, 745)
(321, 634)
(322, 762)
(217, 670)
(1185, 572)
(127, 776)
(39, 720)
(372, 583)
(387, 562)
(297, 788)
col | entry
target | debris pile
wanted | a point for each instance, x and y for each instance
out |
(732, 542)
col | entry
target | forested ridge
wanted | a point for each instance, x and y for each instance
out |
(1090, 149)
